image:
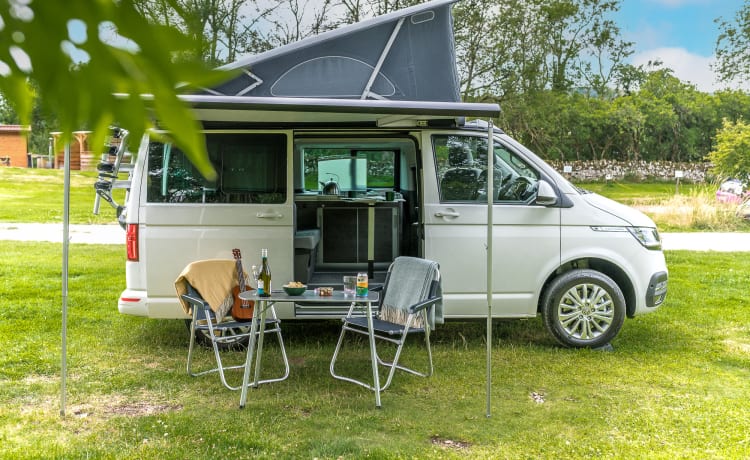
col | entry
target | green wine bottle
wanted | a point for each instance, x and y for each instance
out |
(264, 278)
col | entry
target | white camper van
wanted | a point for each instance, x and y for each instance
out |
(338, 190)
(342, 151)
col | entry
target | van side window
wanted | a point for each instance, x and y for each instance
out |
(461, 164)
(251, 169)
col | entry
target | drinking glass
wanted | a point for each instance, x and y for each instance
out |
(350, 285)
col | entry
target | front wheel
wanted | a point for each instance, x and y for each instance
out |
(583, 309)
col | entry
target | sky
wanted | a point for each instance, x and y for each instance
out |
(681, 33)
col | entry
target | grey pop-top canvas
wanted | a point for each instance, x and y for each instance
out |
(405, 55)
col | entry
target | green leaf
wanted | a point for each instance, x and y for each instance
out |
(77, 74)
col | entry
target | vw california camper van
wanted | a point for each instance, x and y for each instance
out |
(333, 190)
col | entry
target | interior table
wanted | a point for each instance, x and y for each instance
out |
(262, 304)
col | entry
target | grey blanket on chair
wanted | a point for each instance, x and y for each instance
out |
(409, 283)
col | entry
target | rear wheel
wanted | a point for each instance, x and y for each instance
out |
(238, 343)
(583, 309)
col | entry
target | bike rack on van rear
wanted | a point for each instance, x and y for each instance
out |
(110, 167)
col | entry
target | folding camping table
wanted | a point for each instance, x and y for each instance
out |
(262, 304)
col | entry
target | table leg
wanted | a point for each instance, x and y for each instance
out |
(263, 314)
(249, 356)
(373, 356)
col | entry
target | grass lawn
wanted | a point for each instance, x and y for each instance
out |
(675, 386)
(36, 196)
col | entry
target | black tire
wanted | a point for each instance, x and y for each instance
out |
(201, 337)
(583, 309)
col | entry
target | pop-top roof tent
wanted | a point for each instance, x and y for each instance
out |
(395, 69)
(404, 55)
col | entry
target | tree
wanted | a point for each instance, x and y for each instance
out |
(518, 47)
(608, 53)
(7, 114)
(731, 156)
(223, 29)
(733, 46)
(309, 17)
(478, 49)
(579, 39)
(92, 62)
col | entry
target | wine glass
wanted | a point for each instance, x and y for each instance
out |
(255, 273)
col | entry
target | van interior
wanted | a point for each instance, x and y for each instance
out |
(356, 207)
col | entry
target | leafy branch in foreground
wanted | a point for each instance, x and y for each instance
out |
(91, 62)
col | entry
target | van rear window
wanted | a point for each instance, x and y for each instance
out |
(251, 169)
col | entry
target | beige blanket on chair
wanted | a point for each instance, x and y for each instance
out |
(214, 280)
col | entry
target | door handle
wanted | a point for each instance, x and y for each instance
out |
(447, 214)
(269, 215)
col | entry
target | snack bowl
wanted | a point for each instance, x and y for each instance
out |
(294, 289)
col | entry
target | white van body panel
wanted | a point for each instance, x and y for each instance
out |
(617, 211)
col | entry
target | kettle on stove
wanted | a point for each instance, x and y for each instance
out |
(332, 186)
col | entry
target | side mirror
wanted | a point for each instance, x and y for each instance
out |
(545, 195)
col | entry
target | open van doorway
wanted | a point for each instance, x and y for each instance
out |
(358, 199)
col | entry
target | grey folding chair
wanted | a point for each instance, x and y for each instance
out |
(409, 298)
(223, 335)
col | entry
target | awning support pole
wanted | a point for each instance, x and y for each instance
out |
(490, 221)
(65, 244)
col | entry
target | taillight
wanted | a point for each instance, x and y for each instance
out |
(131, 242)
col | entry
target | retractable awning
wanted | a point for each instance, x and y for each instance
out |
(243, 109)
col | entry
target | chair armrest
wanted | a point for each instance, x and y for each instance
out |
(195, 300)
(424, 304)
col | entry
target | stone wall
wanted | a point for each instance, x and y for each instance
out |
(602, 170)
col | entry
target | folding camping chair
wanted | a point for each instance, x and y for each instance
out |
(407, 306)
(226, 332)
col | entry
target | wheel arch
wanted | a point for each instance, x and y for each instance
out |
(606, 267)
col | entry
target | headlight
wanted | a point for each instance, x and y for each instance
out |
(647, 236)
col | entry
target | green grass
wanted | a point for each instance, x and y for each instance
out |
(676, 385)
(632, 193)
(36, 195)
